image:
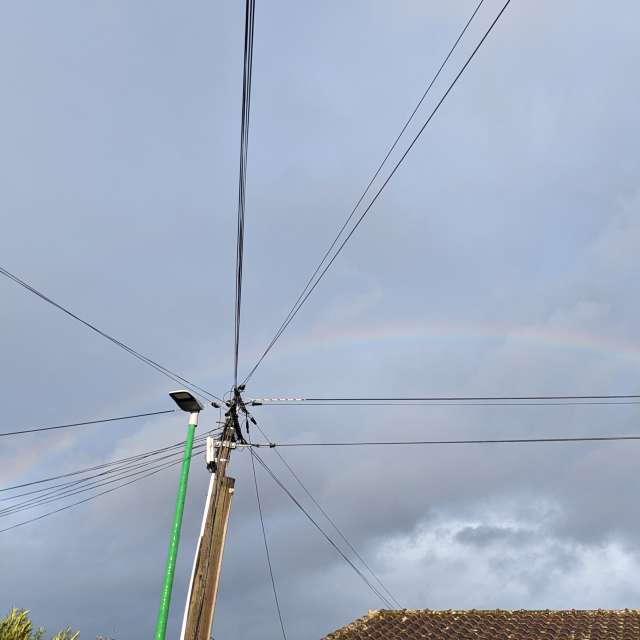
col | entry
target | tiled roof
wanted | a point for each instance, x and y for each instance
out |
(493, 625)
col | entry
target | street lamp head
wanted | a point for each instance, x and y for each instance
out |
(186, 401)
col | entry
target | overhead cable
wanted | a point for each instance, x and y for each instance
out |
(139, 456)
(242, 179)
(309, 288)
(444, 404)
(46, 489)
(364, 578)
(266, 548)
(446, 442)
(441, 398)
(86, 423)
(152, 363)
(333, 523)
(373, 178)
(109, 478)
(90, 498)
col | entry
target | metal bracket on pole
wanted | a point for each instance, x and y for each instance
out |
(211, 454)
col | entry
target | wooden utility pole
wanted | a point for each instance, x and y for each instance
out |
(201, 599)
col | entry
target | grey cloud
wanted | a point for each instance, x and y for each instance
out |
(486, 535)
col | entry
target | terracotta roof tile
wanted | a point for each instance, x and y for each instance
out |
(493, 625)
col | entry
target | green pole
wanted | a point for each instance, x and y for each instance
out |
(165, 598)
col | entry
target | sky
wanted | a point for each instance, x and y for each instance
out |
(500, 260)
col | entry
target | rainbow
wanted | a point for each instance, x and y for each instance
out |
(430, 333)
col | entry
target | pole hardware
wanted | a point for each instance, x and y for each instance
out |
(205, 577)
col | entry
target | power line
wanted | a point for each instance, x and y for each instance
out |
(57, 489)
(139, 456)
(50, 489)
(87, 423)
(332, 522)
(441, 404)
(135, 463)
(310, 288)
(379, 400)
(56, 496)
(152, 363)
(439, 442)
(372, 180)
(97, 495)
(67, 491)
(266, 548)
(242, 179)
(319, 528)
(47, 489)
(87, 469)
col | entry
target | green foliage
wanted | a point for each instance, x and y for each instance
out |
(16, 625)
(66, 634)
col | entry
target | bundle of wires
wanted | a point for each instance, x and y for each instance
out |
(114, 475)
(242, 180)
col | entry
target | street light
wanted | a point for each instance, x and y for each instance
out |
(187, 402)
